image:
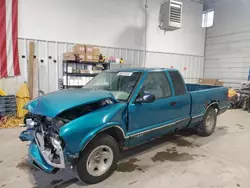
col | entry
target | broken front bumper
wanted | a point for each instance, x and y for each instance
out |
(47, 153)
(40, 156)
(36, 159)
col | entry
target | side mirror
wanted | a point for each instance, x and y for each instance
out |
(146, 98)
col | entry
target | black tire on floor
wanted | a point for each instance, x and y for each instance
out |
(203, 129)
(81, 166)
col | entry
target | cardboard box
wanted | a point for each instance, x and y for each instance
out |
(218, 83)
(96, 51)
(81, 57)
(89, 57)
(79, 49)
(88, 49)
(95, 58)
(85, 71)
(69, 56)
(210, 81)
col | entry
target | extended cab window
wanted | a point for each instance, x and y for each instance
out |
(179, 85)
(157, 83)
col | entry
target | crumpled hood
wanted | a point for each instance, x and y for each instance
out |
(54, 103)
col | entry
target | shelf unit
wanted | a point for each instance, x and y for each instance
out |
(76, 75)
(82, 74)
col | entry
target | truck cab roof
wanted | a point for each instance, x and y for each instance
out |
(141, 70)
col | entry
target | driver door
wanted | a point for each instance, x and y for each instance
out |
(146, 118)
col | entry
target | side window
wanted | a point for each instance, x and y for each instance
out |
(157, 84)
(179, 85)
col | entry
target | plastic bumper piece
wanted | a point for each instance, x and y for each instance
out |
(37, 160)
(26, 135)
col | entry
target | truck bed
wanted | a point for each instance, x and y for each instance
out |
(201, 95)
(198, 87)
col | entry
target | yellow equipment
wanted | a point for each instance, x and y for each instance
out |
(101, 58)
(2, 93)
(22, 98)
(11, 122)
(121, 61)
(231, 92)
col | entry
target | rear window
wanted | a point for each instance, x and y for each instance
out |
(179, 85)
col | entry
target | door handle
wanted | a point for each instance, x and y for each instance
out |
(173, 103)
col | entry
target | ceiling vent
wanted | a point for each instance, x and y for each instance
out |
(170, 17)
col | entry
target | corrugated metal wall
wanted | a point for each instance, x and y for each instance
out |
(227, 49)
(227, 57)
(190, 66)
(49, 56)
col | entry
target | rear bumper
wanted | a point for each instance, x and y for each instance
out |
(36, 159)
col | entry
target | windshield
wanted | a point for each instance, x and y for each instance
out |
(120, 84)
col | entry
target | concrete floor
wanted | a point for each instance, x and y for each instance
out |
(178, 161)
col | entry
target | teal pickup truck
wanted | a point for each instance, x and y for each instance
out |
(87, 128)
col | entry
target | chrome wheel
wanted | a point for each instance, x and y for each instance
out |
(209, 122)
(99, 160)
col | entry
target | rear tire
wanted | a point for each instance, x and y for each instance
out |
(206, 128)
(98, 160)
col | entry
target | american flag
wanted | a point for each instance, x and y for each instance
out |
(9, 62)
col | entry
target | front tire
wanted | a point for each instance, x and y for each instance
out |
(206, 128)
(98, 160)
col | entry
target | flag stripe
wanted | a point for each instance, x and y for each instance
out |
(9, 49)
(3, 54)
(15, 37)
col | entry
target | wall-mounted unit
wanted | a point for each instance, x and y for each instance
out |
(170, 17)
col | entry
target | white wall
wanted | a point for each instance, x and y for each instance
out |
(188, 40)
(228, 42)
(113, 23)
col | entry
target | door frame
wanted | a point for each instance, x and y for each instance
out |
(173, 124)
(141, 81)
(136, 92)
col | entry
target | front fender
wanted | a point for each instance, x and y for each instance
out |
(96, 131)
(80, 130)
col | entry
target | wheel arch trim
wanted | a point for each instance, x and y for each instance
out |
(90, 136)
(211, 104)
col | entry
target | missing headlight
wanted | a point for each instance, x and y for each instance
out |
(56, 143)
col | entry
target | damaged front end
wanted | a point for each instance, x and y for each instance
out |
(46, 150)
